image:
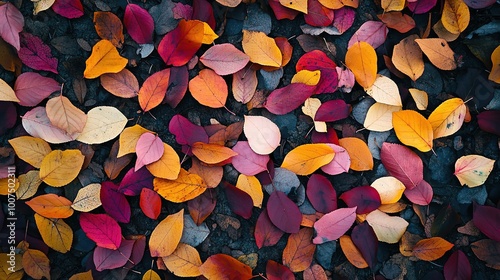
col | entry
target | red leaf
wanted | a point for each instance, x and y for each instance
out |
(239, 201)
(150, 203)
(344, 18)
(402, 163)
(334, 224)
(102, 229)
(181, 44)
(31, 88)
(149, 148)
(488, 121)
(186, 133)
(318, 15)
(202, 10)
(318, 60)
(224, 59)
(12, 23)
(35, 54)
(321, 194)
(68, 8)
(114, 202)
(457, 267)
(283, 213)
(421, 194)
(202, 206)
(330, 136)
(487, 220)
(366, 198)
(332, 110)
(366, 241)
(276, 271)
(247, 161)
(282, 12)
(152, 92)
(286, 99)
(139, 24)
(134, 181)
(372, 32)
(108, 259)
(177, 86)
(266, 233)
(421, 6)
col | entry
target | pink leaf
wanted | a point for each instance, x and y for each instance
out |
(36, 54)
(31, 88)
(286, 99)
(421, 194)
(102, 229)
(340, 163)
(68, 8)
(457, 267)
(283, 212)
(149, 148)
(239, 201)
(402, 163)
(332, 110)
(344, 18)
(487, 220)
(346, 79)
(182, 11)
(372, 32)
(247, 161)
(321, 193)
(318, 60)
(244, 84)
(37, 124)
(365, 198)
(266, 233)
(12, 23)
(139, 24)
(224, 59)
(108, 259)
(114, 202)
(133, 182)
(334, 224)
(186, 133)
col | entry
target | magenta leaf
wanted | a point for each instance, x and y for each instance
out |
(421, 6)
(366, 241)
(372, 32)
(36, 54)
(365, 198)
(31, 88)
(8, 113)
(344, 18)
(334, 224)
(421, 194)
(114, 202)
(340, 163)
(68, 8)
(239, 201)
(332, 110)
(12, 23)
(102, 229)
(108, 259)
(318, 15)
(139, 24)
(133, 182)
(186, 133)
(202, 10)
(283, 212)
(266, 233)
(487, 220)
(330, 136)
(402, 163)
(288, 98)
(457, 267)
(321, 194)
(318, 60)
(247, 161)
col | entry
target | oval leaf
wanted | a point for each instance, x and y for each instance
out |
(209, 89)
(334, 224)
(388, 229)
(224, 59)
(59, 168)
(431, 249)
(307, 158)
(413, 129)
(283, 213)
(103, 124)
(167, 235)
(263, 135)
(102, 229)
(362, 60)
(448, 117)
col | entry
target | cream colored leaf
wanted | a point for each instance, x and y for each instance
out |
(473, 170)
(103, 124)
(379, 117)
(88, 198)
(388, 229)
(41, 5)
(7, 93)
(263, 135)
(421, 98)
(384, 90)
(311, 106)
(389, 188)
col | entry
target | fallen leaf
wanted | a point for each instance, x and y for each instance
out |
(456, 16)
(438, 52)
(318, 60)
(51, 206)
(251, 186)
(307, 158)
(224, 59)
(105, 258)
(457, 267)
(149, 149)
(299, 250)
(122, 84)
(341, 161)
(184, 261)
(103, 124)
(55, 233)
(318, 15)
(202, 206)
(485, 218)
(211, 174)
(283, 213)
(365, 240)
(109, 27)
(473, 170)
(167, 235)
(7, 93)
(101, 229)
(321, 193)
(266, 233)
(413, 129)
(407, 57)
(421, 6)
(151, 275)
(448, 117)
(14, 23)
(334, 224)
(139, 24)
(244, 84)
(36, 264)
(36, 54)
(362, 60)
(28, 184)
(114, 202)
(388, 229)
(209, 89)
(384, 90)
(389, 188)
(103, 59)
(288, 98)
(181, 44)
(332, 110)
(298, 5)
(431, 249)
(262, 134)
(421, 194)
(30, 149)
(379, 117)
(224, 267)
(488, 251)
(402, 163)
(32, 88)
(359, 153)
(487, 121)
(276, 271)
(392, 5)
(128, 139)
(371, 32)
(154, 89)
(68, 9)
(88, 198)
(397, 20)
(351, 252)
(66, 116)
(113, 165)
(421, 98)
(495, 70)
(167, 166)
(364, 198)
(59, 168)
(261, 49)
(247, 161)
(150, 203)
(186, 187)
(310, 78)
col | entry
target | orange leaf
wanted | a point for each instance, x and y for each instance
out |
(352, 253)
(362, 60)
(212, 153)
(209, 89)
(108, 26)
(431, 249)
(439, 53)
(55, 233)
(154, 89)
(408, 242)
(407, 57)
(66, 116)
(168, 166)
(393, 5)
(184, 261)
(299, 250)
(211, 175)
(186, 187)
(103, 59)
(51, 206)
(412, 129)
(167, 235)
(455, 16)
(361, 157)
(495, 70)
(224, 267)
(307, 158)
(36, 264)
(398, 21)
(122, 84)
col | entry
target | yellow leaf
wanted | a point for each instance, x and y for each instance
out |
(151, 275)
(88, 198)
(298, 5)
(448, 117)
(168, 166)
(167, 235)
(30, 149)
(387, 228)
(420, 97)
(55, 233)
(438, 52)
(412, 129)
(128, 139)
(473, 170)
(305, 159)
(261, 49)
(186, 187)
(66, 116)
(7, 93)
(59, 168)
(495, 70)
(455, 16)
(310, 78)
(41, 5)
(361, 157)
(332, 4)
(28, 184)
(389, 188)
(407, 57)
(379, 117)
(251, 185)
(82, 276)
(311, 106)
(212, 153)
(184, 261)
(103, 59)
(103, 124)
(36, 264)
(208, 34)
(393, 5)
(384, 90)
(5, 265)
(443, 33)
(362, 60)
(5, 188)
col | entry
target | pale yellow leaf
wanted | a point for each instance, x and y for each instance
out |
(41, 5)
(448, 117)
(261, 48)
(311, 106)
(473, 170)
(384, 90)
(184, 261)
(387, 228)
(103, 124)
(88, 198)
(421, 98)
(379, 117)
(28, 184)
(389, 188)
(30, 149)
